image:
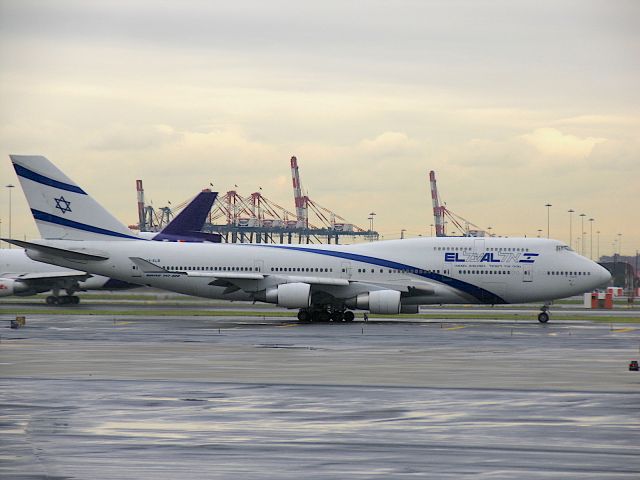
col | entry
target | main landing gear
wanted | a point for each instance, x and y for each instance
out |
(325, 315)
(543, 316)
(62, 300)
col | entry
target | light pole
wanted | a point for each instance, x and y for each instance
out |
(598, 237)
(539, 232)
(619, 243)
(582, 215)
(591, 239)
(431, 225)
(571, 210)
(548, 205)
(10, 187)
(371, 215)
(489, 229)
(402, 234)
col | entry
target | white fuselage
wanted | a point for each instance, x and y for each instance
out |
(447, 270)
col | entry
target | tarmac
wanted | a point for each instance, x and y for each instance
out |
(106, 397)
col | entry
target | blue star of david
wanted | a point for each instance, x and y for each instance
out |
(62, 204)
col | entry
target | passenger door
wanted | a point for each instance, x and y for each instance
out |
(527, 274)
(345, 270)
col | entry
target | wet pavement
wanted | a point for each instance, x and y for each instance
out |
(99, 397)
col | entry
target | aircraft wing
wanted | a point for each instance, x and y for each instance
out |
(257, 276)
(252, 282)
(148, 267)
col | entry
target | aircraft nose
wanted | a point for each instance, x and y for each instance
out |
(602, 274)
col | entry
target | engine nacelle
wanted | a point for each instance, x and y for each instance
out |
(290, 295)
(377, 301)
(10, 287)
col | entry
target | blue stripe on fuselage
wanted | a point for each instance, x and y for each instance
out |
(482, 295)
(65, 222)
(36, 177)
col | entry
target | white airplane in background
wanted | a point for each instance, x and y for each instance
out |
(21, 276)
(323, 281)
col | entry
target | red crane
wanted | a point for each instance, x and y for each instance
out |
(440, 211)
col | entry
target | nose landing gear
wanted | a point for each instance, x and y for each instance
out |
(543, 316)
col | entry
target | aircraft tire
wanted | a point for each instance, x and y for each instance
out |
(337, 317)
(543, 317)
(349, 316)
(304, 316)
(53, 300)
(75, 299)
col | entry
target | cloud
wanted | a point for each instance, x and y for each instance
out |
(544, 147)
(552, 142)
(598, 120)
(485, 153)
(616, 155)
(388, 144)
(133, 137)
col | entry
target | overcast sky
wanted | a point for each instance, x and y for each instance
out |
(514, 104)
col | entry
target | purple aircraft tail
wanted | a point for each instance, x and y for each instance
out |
(187, 226)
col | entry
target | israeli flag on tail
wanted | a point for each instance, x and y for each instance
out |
(61, 209)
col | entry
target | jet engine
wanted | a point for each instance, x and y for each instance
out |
(290, 295)
(377, 301)
(10, 287)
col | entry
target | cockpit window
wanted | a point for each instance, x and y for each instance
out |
(560, 248)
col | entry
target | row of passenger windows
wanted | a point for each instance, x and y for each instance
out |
(295, 269)
(417, 271)
(214, 269)
(301, 269)
(485, 272)
(490, 249)
(568, 273)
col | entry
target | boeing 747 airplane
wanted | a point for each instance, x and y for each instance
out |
(324, 282)
(21, 276)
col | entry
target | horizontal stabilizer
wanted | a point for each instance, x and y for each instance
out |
(70, 254)
(72, 275)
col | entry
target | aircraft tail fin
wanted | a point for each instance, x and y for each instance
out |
(61, 209)
(193, 216)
